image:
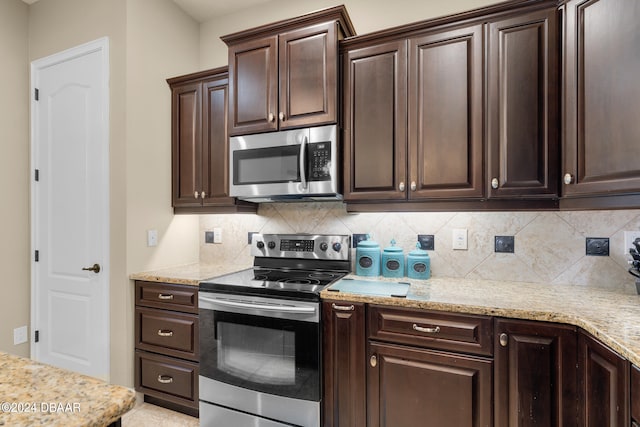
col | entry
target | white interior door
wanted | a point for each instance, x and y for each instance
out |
(70, 209)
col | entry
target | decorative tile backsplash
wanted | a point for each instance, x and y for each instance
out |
(549, 246)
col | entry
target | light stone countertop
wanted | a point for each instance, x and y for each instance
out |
(613, 318)
(190, 274)
(34, 394)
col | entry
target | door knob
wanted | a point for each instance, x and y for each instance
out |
(95, 268)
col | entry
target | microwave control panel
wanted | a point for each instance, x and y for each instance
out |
(319, 161)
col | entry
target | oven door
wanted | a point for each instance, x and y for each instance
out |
(266, 345)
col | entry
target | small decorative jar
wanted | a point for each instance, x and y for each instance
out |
(393, 261)
(418, 264)
(368, 258)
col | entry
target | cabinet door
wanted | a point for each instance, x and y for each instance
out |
(603, 382)
(253, 93)
(186, 144)
(535, 374)
(308, 68)
(601, 97)
(522, 115)
(445, 114)
(375, 134)
(344, 364)
(215, 149)
(421, 388)
(635, 396)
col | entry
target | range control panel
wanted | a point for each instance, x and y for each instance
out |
(309, 246)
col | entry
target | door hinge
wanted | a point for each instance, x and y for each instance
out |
(37, 175)
(37, 256)
(36, 94)
(37, 336)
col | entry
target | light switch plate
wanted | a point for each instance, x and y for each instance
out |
(459, 239)
(217, 235)
(152, 238)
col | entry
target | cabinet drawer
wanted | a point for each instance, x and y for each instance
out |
(167, 378)
(436, 330)
(170, 297)
(635, 394)
(170, 333)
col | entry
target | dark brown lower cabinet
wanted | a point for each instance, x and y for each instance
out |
(603, 385)
(635, 396)
(411, 387)
(535, 374)
(344, 364)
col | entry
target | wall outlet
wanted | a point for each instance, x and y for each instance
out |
(459, 241)
(597, 246)
(505, 244)
(426, 242)
(357, 238)
(20, 335)
(629, 237)
(152, 238)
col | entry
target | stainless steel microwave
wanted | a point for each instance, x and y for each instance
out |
(291, 165)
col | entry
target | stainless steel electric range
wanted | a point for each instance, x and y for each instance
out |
(260, 333)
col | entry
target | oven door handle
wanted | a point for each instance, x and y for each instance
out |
(280, 308)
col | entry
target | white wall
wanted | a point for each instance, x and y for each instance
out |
(366, 15)
(14, 173)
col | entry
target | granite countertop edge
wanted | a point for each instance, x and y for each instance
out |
(611, 317)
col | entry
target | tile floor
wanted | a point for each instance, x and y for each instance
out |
(148, 415)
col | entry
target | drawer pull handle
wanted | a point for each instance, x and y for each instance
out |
(165, 333)
(165, 296)
(165, 379)
(435, 330)
(343, 307)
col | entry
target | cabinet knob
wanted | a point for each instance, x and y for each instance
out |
(271, 117)
(401, 186)
(282, 116)
(196, 194)
(504, 339)
(203, 194)
(568, 178)
(373, 361)
(413, 186)
(494, 183)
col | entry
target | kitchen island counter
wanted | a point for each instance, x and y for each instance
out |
(613, 318)
(35, 394)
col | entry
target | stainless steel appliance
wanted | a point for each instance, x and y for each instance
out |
(260, 333)
(299, 164)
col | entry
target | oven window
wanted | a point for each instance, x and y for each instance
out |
(257, 354)
(266, 165)
(264, 354)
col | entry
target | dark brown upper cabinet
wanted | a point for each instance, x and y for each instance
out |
(375, 125)
(285, 75)
(522, 106)
(200, 172)
(413, 118)
(601, 97)
(445, 114)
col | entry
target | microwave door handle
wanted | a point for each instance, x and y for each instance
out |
(239, 304)
(303, 162)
